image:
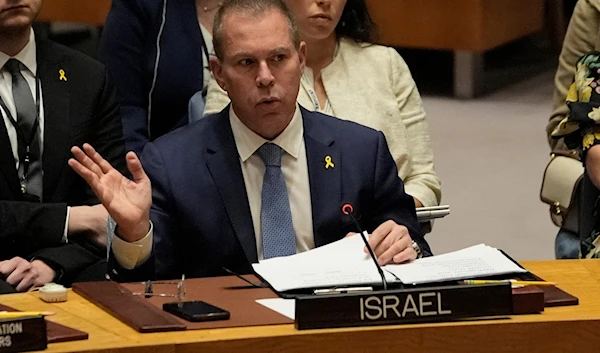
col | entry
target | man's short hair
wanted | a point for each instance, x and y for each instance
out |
(255, 8)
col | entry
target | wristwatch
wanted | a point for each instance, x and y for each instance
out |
(417, 249)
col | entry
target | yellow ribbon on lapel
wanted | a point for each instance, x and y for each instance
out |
(62, 76)
(328, 162)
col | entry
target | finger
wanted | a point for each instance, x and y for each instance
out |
(393, 250)
(392, 237)
(135, 167)
(3, 265)
(90, 177)
(350, 234)
(408, 254)
(395, 242)
(380, 233)
(19, 273)
(83, 158)
(27, 281)
(395, 235)
(97, 158)
(8, 266)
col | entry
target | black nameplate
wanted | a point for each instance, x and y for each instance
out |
(20, 335)
(432, 304)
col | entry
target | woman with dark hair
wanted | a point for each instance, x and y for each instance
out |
(350, 78)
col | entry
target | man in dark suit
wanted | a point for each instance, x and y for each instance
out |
(51, 98)
(261, 179)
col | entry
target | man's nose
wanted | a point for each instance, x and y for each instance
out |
(264, 77)
(323, 2)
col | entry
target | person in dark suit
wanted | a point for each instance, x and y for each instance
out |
(157, 51)
(261, 179)
(51, 97)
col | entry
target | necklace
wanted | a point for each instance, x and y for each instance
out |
(207, 9)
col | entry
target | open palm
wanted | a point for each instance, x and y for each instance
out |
(127, 201)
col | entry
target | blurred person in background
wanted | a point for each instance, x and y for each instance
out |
(157, 53)
(580, 130)
(52, 228)
(583, 36)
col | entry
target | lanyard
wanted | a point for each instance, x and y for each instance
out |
(205, 66)
(313, 96)
(25, 156)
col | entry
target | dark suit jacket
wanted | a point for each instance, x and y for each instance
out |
(200, 209)
(128, 48)
(81, 109)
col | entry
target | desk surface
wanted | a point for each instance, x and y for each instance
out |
(562, 329)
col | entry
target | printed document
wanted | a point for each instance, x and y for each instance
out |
(345, 263)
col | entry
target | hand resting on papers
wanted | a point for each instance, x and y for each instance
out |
(391, 243)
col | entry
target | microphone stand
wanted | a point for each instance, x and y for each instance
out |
(347, 209)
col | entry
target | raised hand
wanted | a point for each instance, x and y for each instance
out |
(127, 201)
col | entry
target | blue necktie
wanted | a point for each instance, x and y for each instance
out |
(278, 237)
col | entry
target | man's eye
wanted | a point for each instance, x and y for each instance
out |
(279, 57)
(246, 62)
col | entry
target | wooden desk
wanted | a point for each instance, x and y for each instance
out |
(563, 329)
(91, 12)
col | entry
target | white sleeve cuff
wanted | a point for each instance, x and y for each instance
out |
(65, 239)
(132, 255)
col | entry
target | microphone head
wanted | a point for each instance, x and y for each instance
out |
(347, 209)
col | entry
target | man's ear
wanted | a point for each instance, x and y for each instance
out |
(216, 67)
(302, 55)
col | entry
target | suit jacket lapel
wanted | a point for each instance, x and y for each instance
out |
(7, 162)
(325, 178)
(56, 103)
(223, 164)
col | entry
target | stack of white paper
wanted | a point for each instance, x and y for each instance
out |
(476, 261)
(344, 263)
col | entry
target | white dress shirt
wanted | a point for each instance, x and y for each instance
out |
(295, 171)
(27, 57)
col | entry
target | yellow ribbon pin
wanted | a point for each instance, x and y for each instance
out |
(328, 162)
(62, 75)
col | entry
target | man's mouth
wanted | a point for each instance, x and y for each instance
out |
(14, 7)
(268, 100)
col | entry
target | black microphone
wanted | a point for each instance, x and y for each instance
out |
(347, 209)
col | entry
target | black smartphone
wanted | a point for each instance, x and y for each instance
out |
(196, 311)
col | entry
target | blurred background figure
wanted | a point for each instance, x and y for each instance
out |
(580, 130)
(583, 36)
(157, 52)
